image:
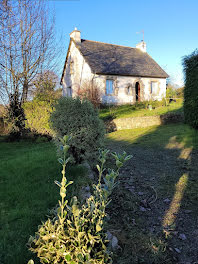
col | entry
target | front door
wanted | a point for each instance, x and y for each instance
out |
(137, 91)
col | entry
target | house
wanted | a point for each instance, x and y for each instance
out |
(122, 74)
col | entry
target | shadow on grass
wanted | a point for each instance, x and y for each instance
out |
(154, 210)
(27, 191)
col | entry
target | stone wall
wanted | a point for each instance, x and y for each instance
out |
(143, 121)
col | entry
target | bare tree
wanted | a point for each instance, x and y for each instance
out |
(27, 45)
(91, 91)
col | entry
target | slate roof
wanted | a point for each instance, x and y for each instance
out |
(112, 59)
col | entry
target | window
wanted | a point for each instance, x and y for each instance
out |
(154, 86)
(129, 90)
(69, 92)
(109, 87)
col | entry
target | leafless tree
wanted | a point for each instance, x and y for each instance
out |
(27, 45)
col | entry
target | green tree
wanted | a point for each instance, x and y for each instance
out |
(190, 64)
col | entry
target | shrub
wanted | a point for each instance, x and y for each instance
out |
(15, 118)
(76, 234)
(90, 91)
(79, 118)
(180, 92)
(170, 92)
(190, 64)
(37, 116)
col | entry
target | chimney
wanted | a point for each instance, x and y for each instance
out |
(75, 35)
(141, 46)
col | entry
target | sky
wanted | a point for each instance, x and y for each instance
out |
(170, 26)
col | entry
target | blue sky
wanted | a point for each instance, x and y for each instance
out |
(171, 27)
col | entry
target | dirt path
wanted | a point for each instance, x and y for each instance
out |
(154, 210)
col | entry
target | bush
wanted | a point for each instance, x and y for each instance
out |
(190, 64)
(170, 92)
(37, 116)
(15, 118)
(75, 235)
(90, 91)
(81, 120)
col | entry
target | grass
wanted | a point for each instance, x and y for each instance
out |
(161, 163)
(27, 191)
(155, 136)
(124, 111)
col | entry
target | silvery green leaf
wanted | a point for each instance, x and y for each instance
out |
(67, 160)
(98, 167)
(61, 147)
(60, 161)
(30, 261)
(128, 157)
(58, 183)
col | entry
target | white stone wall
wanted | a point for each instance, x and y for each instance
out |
(121, 83)
(81, 73)
(75, 75)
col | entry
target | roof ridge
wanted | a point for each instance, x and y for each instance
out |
(110, 44)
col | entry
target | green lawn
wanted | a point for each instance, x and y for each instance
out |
(155, 136)
(134, 111)
(27, 191)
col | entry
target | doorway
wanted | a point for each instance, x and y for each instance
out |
(137, 91)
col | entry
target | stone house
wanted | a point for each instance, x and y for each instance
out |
(122, 74)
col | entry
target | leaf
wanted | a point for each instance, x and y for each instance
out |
(65, 148)
(58, 183)
(68, 257)
(118, 163)
(30, 261)
(69, 183)
(98, 167)
(98, 228)
(60, 161)
(128, 157)
(67, 160)
(65, 138)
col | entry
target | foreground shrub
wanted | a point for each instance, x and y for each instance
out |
(79, 118)
(190, 64)
(37, 114)
(76, 234)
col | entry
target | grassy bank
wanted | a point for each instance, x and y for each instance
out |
(27, 191)
(123, 111)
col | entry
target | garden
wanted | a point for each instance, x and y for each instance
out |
(70, 192)
(139, 203)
